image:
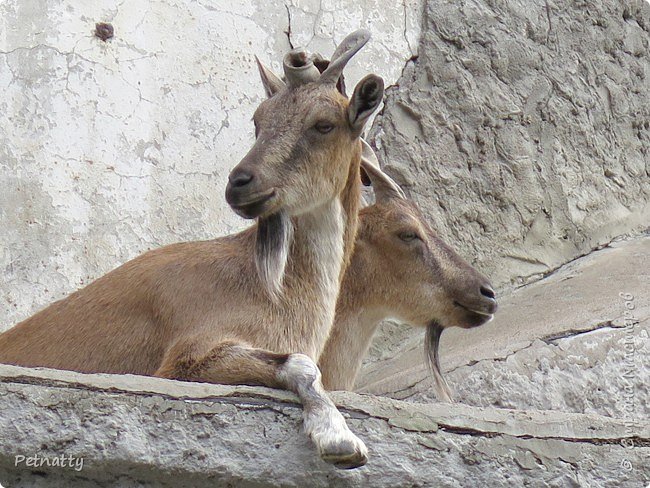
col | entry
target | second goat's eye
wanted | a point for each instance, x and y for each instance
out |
(324, 127)
(408, 236)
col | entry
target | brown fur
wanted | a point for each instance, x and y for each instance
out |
(132, 319)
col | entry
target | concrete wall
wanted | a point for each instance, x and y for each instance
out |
(521, 128)
(108, 149)
(523, 131)
(576, 341)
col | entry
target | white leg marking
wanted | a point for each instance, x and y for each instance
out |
(323, 422)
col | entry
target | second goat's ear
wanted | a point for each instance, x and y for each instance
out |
(366, 98)
(384, 186)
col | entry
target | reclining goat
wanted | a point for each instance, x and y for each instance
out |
(251, 308)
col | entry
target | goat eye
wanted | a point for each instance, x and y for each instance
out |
(324, 127)
(408, 236)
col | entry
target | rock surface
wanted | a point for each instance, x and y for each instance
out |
(578, 340)
(523, 129)
(137, 431)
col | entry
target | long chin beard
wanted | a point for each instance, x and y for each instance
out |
(274, 238)
(431, 347)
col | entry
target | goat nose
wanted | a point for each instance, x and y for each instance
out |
(487, 291)
(241, 178)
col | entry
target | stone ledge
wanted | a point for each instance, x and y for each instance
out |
(139, 431)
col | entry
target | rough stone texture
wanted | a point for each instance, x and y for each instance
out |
(110, 148)
(569, 342)
(591, 372)
(136, 431)
(523, 128)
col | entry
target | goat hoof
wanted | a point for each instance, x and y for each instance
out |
(345, 453)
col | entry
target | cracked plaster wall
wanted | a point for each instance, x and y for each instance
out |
(577, 340)
(108, 149)
(524, 148)
(605, 371)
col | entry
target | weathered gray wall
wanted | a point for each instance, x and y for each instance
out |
(523, 128)
(523, 131)
(109, 149)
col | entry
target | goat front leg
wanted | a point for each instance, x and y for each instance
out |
(322, 421)
(233, 362)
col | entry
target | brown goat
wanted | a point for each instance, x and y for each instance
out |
(400, 269)
(251, 308)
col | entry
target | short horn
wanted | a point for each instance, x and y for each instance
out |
(299, 68)
(344, 52)
(383, 185)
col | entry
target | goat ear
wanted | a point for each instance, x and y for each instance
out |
(272, 83)
(384, 186)
(366, 98)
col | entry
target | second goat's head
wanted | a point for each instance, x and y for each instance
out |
(423, 281)
(420, 279)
